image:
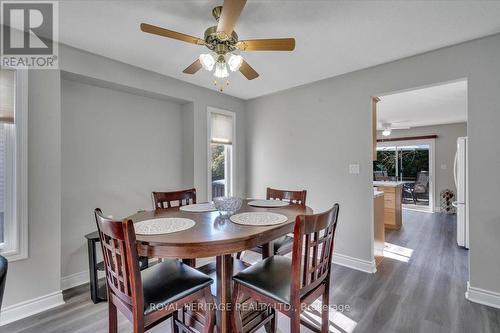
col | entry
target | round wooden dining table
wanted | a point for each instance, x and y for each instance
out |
(214, 235)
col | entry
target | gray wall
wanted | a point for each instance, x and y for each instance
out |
(116, 148)
(307, 137)
(114, 72)
(445, 148)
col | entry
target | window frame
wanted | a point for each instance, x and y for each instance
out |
(15, 246)
(229, 187)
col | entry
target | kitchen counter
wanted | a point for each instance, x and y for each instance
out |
(388, 183)
(393, 205)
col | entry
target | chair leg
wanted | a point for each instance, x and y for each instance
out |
(112, 318)
(325, 305)
(236, 316)
(271, 326)
(209, 325)
(175, 328)
(295, 322)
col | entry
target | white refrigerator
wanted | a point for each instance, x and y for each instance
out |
(462, 184)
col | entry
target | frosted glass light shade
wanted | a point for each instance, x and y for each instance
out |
(234, 62)
(207, 61)
(221, 70)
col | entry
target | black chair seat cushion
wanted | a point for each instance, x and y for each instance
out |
(281, 245)
(271, 277)
(4, 264)
(169, 281)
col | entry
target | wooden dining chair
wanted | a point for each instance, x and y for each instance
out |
(296, 197)
(282, 245)
(166, 200)
(290, 285)
(150, 296)
(162, 200)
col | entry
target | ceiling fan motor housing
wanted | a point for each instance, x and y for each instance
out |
(217, 41)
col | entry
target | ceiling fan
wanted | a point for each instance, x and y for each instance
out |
(224, 45)
(388, 127)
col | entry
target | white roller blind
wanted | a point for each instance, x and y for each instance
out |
(7, 78)
(222, 128)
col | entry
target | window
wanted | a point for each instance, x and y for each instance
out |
(13, 164)
(220, 152)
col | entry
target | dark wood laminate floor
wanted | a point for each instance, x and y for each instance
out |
(424, 294)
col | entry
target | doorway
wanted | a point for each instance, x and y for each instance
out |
(415, 135)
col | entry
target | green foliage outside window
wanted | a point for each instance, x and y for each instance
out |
(218, 161)
(412, 162)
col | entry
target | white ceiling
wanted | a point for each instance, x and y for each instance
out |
(332, 37)
(437, 105)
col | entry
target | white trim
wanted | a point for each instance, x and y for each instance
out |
(482, 296)
(74, 280)
(355, 263)
(30, 307)
(232, 114)
(18, 249)
(77, 279)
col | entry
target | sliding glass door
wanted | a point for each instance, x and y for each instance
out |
(411, 163)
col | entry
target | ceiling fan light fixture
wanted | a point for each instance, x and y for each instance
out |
(207, 61)
(221, 70)
(234, 62)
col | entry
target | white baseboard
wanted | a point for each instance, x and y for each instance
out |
(355, 263)
(77, 279)
(482, 296)
(74, 280)
(30, 307)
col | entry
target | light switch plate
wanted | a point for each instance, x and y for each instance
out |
(354, 169)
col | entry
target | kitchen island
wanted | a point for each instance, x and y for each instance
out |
(393, 205)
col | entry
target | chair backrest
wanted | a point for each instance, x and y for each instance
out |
(120, 260)
(313, 238)
(422, 182)
(4, 264)
(180, 198)
(298, 197)
(380, 175)
(422, 178)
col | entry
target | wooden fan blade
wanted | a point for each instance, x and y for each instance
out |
(193, 68)
(152, 29)
(248, 71)
(231, 11)
(276, 44)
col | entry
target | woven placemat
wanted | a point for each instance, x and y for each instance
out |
(199, 208)
(259, 218)
(268, 203)
(161, 226)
